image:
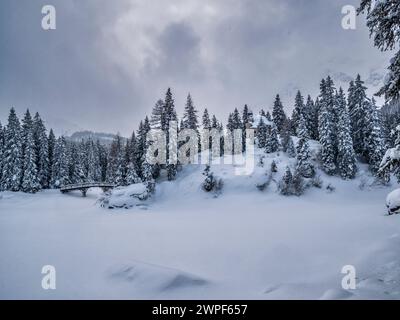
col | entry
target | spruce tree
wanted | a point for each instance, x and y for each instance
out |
(261, 134)
(30, 180)
(12, 165)
(278, 114)
(206, 123)
(346, 160)
(285, 185)
(298, 110)
(304, 166)
(60, 170)
(327, 128)
(290, 149)
(272, 143)
(42, 152)
(190, 115)
(373, 142)
(51, 146)
(157, 115)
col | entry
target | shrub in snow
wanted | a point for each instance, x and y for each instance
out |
(290, 150)
(393, 202)
(285, 185)
(211, 183)
(264, 184)
(274, 168)
(330, 188)
(304, 166)
(298, 184)
(317, 182)
(261, 161)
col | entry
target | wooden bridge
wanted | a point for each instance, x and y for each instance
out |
(83, 187)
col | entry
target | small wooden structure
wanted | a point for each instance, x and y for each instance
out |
(83, 187)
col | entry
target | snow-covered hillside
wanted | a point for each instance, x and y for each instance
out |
(186, 243)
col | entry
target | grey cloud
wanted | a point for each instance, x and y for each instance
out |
(108, 62)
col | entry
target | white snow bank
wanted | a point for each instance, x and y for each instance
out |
(393, 201)
(125, 197)
(143, 277)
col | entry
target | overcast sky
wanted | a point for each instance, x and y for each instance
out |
(108, 62)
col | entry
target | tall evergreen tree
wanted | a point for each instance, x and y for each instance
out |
(60, 170)
(297, 111)
(156, 118)
(30, 180)
(304, 166)
(346, 160)
(206, 120)
(261, 134)
(41, 149)
(51, 146)
(12, 155)
(272, 143)
(278, 114)
(190, 115)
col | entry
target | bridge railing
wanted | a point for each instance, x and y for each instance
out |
(87, 185)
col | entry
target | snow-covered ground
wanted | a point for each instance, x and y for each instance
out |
(186, 243)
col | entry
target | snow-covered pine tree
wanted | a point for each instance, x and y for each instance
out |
(274, 167)
(30, 179)
(261, 134)
(357, 99)
(131, 175)
(1, 151)
(206, 123)
(246, 121)
(285, 185)
(326, 129)
(304, 166)
(26, 129)
(346, 160)
(391, 160)
(298, 185)
(214, 122)
(278, 114)
(60, 170)
(297, 111)
(12, 165)
(42, 152)
(169, 118)
(383, 21)
(93, 159)
(268, 116)
(236, 121)
(315, 120)
(373, 141)
(312, 118)
(51, 146)
(190, 120)
(156, 117)
(302, 131)
(290, 149)
(272, 143)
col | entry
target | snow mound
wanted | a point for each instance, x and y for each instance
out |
(153, 278)
(336, 294)
(393, 201)
(125, 197)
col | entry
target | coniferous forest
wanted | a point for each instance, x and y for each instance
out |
(349, 127)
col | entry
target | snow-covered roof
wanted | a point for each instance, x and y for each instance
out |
(257, 118)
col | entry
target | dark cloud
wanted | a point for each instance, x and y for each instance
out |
(108, 62)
